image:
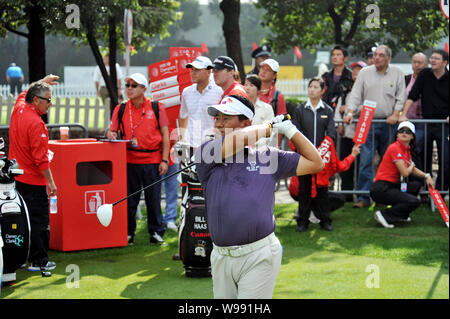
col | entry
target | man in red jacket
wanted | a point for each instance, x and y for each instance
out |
(28, 144)
(316, 198)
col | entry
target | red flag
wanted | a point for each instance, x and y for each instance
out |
(364, 122)
(297, 52)
(446, 46)
(205, 48)
(255, 46)
(440, 204)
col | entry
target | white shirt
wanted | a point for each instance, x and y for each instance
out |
(263, 112)
(99, 78)
(194, 105)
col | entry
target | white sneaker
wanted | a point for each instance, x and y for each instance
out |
(313, 219)
(172, 226)
(157, 239)
(380, 219)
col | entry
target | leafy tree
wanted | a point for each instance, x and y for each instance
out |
(402, 25)
(102, 27)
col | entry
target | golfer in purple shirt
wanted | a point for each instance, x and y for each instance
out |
(239, 186)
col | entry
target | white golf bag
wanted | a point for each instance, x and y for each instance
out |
(14, 221)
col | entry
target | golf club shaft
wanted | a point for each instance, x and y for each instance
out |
(153, 184)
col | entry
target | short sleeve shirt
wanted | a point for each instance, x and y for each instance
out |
(239, 190)
(387, 171)
(141, 124)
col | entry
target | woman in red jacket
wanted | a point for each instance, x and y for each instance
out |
(390, 185)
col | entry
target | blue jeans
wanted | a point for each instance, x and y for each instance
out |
(383, 136)
(139, 176)
(171, 191)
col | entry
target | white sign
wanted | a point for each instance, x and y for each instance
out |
(93, 200)
(444, 7)
(128, 26)
(323, 56)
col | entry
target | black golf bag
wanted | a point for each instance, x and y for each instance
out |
(14, 221)
(194, 240)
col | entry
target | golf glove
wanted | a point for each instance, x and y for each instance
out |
(278, 119)
(286, 128)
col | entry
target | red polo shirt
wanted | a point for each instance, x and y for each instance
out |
(28, 142)
(141, 124)
(268, 96)
(387, 171)
(235, 89)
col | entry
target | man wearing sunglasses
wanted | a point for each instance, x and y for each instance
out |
(28, 144)
(147, 153)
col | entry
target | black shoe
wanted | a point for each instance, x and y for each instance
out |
(302, 228)
(326, 226)
(155, 238)
(130, 240)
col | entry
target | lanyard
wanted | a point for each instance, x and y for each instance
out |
(131, 119)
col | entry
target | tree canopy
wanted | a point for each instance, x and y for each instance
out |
(402, 25)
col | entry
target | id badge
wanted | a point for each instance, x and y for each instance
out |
(404, 187)
(134, 142)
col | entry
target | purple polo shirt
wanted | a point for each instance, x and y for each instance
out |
(240, 191)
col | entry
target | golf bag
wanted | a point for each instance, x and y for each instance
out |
(14, 221)
(194, 240)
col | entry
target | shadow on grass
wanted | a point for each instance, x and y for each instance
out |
(424, 241)
(150, 269)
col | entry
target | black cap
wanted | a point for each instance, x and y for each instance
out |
(224, 62)
(261, 51)
(371, 50)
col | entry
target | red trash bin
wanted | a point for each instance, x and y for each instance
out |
(88, 174)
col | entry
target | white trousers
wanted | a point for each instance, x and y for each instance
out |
(247, 271)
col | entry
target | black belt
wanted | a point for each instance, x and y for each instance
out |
(142, 150)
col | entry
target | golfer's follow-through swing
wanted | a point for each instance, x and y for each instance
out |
(104, 212)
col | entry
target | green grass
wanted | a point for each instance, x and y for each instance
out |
(412, 259)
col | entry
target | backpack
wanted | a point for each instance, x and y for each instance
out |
(155, 107)
(275, 101)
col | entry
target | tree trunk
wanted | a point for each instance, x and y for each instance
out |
(231, 31)
(112, 64)
(36, 45)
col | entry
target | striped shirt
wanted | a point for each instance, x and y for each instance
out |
(194, 105)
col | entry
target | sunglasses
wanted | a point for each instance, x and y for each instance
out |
(132, 85)
(49, 100)
(405, 130)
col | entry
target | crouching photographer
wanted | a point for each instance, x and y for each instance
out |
(391, 186)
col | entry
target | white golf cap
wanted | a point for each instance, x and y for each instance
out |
(231, 106)
(201, 62)
(139, 78)
(407, 124)
(272, 63)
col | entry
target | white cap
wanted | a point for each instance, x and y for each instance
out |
(139, 78)
(407, 124)
(272, 63)
(201, 62)
(230, 106)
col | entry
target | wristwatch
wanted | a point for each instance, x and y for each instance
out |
(165, 161)
(427, 175)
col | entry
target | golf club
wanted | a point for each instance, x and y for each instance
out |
(104, 212)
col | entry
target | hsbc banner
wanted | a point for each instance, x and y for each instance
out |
(364, 122)
(168, 79)
(440, 204)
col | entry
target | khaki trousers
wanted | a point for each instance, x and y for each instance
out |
(247, 271)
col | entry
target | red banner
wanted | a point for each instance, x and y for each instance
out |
(365, 120)
(168, 79)
(440, 204)
(191, 53)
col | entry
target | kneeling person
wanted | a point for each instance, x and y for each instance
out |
(239, 186)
